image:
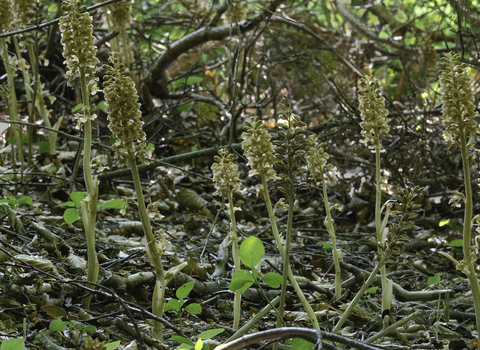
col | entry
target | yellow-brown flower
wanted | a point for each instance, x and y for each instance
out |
(457, 98)
(373, 111)
(124, 116)
(225, 172)
(78, 43)
(258, 149)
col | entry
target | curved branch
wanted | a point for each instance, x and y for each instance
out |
(197, 38)
(320, 40)
(359, 26)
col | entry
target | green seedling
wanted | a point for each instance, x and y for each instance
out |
(251, 253)
(78, 332)
(434, 279)
(327, 247)
(14, 202)
(176, 306)
(72, 214)
(188, 344)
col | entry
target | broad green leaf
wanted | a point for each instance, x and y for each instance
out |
(372, 290)
(193, 308)
(455, 243)
(57, 325)
(299, 344)
(43, 147)
(240, 278)
(273, 279)
(251, 251)
(113, 204)
(101, 105)
(113, 345)
(12, 344)
(210, 333)
(77, 197)
(199, 345)
(89, 329)
(173, 305)
(150, 146)
(184, 290)
(25, 200)
(183, 340)
(71, 215)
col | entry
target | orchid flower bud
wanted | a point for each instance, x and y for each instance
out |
(373, 112)
(258, 149)
(124, 116)
(225, 172)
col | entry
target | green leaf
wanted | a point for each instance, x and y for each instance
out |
(434, 279)
(240, 278)
(193, 308)
(299, 344)
(113, 345)
(183, 108)
(454, 243)
(113, 204)
(150, 146)
(77, 107)
(71, 215)
(173, 305)
(183, 340)
(194, 80)
(101, 105)
(112, 140)
(90, 329)
(199, 345)
(443, 222)
(184, 290)
(25, 200)
(210, 333)
(372, 290)
(12, 344)
(327, 247)
(43, 147)
(67, 204)
(273, 279)
(251, 251)
(53, 7)
(77, 197)
(57, 325)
